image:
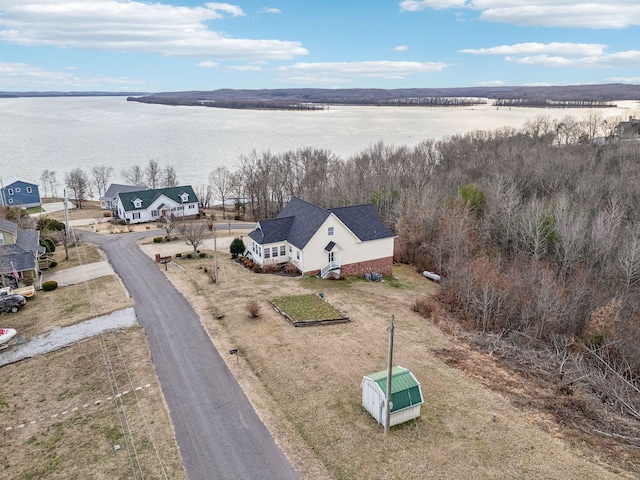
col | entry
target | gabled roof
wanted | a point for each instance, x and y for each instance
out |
(306, 219)
(405, 388)
(363, 221)
(150, 196)
(13, 179)
(117, 188)
(21, 254)
(8, 226)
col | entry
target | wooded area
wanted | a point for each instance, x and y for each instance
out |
(536, 233)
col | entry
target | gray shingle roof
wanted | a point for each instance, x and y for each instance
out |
(117, 188)
(363, 221)
(8, 226)
(300, 220)
(22, 253)
(149, 196)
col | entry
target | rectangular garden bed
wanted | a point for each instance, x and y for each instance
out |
(307, 310)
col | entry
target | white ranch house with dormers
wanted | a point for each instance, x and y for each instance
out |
(351, 241)
(151, 205)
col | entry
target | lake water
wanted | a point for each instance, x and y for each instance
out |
(61, 134)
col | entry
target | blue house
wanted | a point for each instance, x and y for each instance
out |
(20, 193)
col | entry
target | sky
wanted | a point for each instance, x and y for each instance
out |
(177, 45)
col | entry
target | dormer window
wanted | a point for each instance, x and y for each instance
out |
(137, 203)
(184, 197)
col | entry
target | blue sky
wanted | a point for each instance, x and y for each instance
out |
(118, 45)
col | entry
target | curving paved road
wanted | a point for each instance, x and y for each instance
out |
(218, 432)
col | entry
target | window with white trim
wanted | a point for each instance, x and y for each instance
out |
(11, 200)
(274, 251)
(29, 190)
(154, 213)
(137, 203)
(267, 252)
(18, 190)
(298, 254)
(1, 238)
(283, 250)
(10, 191)
(192, 206)
(135, 215)
(330, 231)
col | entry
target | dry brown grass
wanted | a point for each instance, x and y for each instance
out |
(51, 426)
(305, 384)
(68, 439)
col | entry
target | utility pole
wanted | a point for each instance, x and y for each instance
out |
(66, 225)
(388, 403)
(215, 254)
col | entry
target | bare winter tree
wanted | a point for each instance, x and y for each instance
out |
(220, 181)
(134, 175)
(78, 184)
(170, 177)
(204, 194)
(101, 175)
(44, 179)
(194, 233)
(49, 182)
(168, 223)
(153, 173)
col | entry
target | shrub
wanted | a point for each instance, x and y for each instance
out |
(52, 263)
(272, 268)
(472, 197)
(46, 223)
(291, 269)
(158, 239)
(49, 285)
(107, 214)
(237, 247)
(253, 307)
(48, 245)
(423, 307)
(256, 268)
(202, 255)
(178, 255)
(189, 256)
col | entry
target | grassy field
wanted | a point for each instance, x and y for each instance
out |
(305, 384)
(306, 308)
(62, 414)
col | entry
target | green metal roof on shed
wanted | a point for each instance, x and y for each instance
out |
(405, 388)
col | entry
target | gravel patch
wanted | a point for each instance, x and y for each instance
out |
(64, 336)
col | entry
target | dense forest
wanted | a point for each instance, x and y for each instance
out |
(536, 233)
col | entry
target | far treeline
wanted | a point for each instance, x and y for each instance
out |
(536, 233)
(586, 96)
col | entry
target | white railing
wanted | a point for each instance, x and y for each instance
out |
(328, 268)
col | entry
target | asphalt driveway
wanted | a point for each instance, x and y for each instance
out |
(219, 434)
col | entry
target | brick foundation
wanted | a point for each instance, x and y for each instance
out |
(380, 265)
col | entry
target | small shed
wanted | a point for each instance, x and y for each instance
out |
(406, 395)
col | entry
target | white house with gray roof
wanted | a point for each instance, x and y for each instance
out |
(351, 241)
(150, 205)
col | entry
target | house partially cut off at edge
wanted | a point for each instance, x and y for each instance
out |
(349, 241)
(406, 396)
(151, 205)
(19, 252)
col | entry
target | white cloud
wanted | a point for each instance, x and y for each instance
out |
(540, 48)
(342, 71)
(547, 13)
(208, 64)
(629, 58)
(491, 83)
(271, 10)
(401, 48)
(245, 68)
(556, 54)
(630, 80)
(120, 25)
(25, 77)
